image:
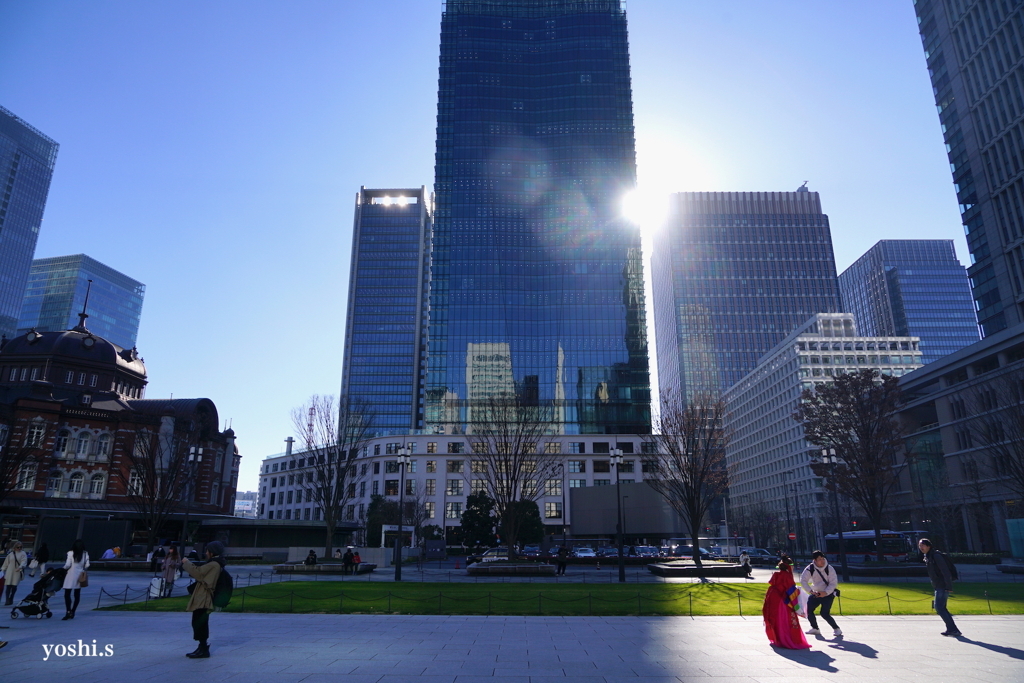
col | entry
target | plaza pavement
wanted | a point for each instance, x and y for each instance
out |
(318, 648)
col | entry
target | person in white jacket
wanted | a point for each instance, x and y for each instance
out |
(76, 564)
(820, 581)
(14, 569)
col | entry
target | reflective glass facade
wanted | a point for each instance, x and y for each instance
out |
(536, 280)
(26, 166)
(387, 289)
(975, 54)
(733, 274)
(56, 293)
(912, 288)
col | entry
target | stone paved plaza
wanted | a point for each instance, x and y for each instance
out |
(454, 649)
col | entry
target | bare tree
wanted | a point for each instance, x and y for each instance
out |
(998, 426)
(689, 468)
(331, 436)
(26, 452)
(154, 472)
(855, 415)
(513, 457)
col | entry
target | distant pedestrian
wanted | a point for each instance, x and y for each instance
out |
(201, 602)
(337, 553)
(821, 582)
(156, 562)
(41, 557)
(942, 573)
(781, 603)
(76, 564)
(347, 560)
(171, 565)
(563, 560)
(310, 560)
(745, 563)
(356, 561)
(108, 554)
(14, 569)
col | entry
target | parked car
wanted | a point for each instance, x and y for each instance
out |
(647, 551)
(760, 556)
(530, 552)
(584, 552)
(687, 551)
(610, 551)
(489, 555)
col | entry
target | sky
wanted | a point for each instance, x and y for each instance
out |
(213, 150)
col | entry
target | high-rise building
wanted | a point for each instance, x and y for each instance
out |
(387, 289)
(733, 274)
(975, 55)
(56, 294)
(26, 166)
(768, 456)
(918, 288)
(535, 153)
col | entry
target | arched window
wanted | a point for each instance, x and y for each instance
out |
(60, 444)
(103, 446)
(75, 485)
(82, 444)
(26, 477)
(97, 484)
(54, 481)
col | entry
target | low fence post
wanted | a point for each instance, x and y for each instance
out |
(291, 601)
(590, 604)
(889, 602)
(690, 595)
(739, 599)
(989, 601)
(839, 596)
(243, 600)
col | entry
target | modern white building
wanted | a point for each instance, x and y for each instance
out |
(441, 475)
(768, 458)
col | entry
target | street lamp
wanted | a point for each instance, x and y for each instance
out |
(195, 458)
(828, 456)
(617, 461)
(403, 460)
(789, 527)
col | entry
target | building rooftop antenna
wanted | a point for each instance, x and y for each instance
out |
(83, 315)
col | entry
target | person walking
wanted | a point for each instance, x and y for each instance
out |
(41, 557)
(200, 604)
(171, 564)
(781, 603)
(941, 576)
(14, 569)
(563, 559)
(821, 582)
(76, 577)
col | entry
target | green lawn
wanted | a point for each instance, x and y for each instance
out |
(581, 600)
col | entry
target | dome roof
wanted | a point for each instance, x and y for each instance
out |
(77, 345)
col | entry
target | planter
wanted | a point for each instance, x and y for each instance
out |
(688, 569)
(363, 568)
(495, 569)
(886, 570)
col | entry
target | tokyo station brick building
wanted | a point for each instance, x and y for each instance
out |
(80, 441)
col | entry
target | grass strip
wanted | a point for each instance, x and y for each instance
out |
(716, 599)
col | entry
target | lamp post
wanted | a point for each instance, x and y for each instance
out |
(617, 461)
(625, 504)
(828, 456)
(789, 527)
(565, 511)
(195, 458)
(403, 460)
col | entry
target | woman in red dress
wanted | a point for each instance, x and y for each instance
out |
(781, 603)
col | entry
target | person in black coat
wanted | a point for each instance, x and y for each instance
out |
(158, 555)
(942, 582)
(41, 557)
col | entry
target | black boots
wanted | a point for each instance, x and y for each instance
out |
(201, 652)
(69, 615)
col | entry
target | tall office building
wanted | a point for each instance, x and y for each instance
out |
(387, 289)
(733, 273)
(26, 166)
(56, 293)
(531, 257)
(903, 288)
(975, 55)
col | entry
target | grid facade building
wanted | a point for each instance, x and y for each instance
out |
(767, 455)
(733, 274)
(388, 283)
(531, 255)
(975, 55)
(912, 288)
(56, 292)
(26, 167)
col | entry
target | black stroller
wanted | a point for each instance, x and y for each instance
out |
(35, 603)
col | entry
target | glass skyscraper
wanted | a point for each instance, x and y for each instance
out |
(26, 166)
(733, 274)
(387, 288)
(975, 55)
(536, 279)
(56, 293)
(912, 288)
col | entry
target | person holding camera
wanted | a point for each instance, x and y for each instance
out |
(821, 582)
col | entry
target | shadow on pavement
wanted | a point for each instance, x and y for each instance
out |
(812, 658)
(863, 649)
(1008, 651)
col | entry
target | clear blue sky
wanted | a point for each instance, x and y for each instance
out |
(213, 150)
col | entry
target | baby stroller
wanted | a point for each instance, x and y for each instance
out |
(34, 604)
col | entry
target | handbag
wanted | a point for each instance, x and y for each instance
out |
(33, 564)
(83, 579)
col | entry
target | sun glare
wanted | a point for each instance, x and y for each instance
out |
(645, 209)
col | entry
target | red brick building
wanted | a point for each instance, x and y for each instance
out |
(85, 454)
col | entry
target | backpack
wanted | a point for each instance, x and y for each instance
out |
(222, 591)
(953, 574)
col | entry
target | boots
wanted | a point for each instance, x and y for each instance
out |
(201, 652)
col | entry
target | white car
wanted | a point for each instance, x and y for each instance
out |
(584, 552)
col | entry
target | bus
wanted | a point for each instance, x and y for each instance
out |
(860, 545)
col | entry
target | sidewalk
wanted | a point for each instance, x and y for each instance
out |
(389, 649)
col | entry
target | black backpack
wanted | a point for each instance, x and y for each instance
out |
(222, 591)
(953, 573)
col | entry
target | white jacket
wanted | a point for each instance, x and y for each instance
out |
(75, 569)
(817, 579)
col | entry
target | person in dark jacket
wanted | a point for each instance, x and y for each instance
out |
(41, 557)
(157, 559)
(942, 582)
(562, 558)
(310, 559)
